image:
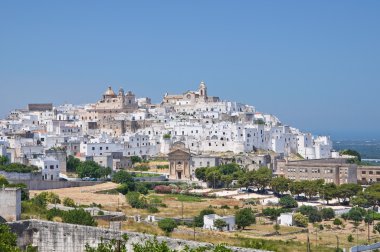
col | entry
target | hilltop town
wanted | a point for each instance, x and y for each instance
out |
(194, 167)
(120, 125)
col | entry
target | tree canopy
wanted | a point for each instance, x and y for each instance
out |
(92, 169)
(245, 217)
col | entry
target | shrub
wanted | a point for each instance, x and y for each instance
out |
(152, 209)
(350, 238)
(141, 188)
(69, 202)
(337, 222)
(166, 136)
(8, 239)
(327, 213)
(356, 214)
(79, 216)
(311, 212)
(141, 168)
(167, 225)
(100, 213)
(300, 220)
(225, 207)
(162, 166)
(3, 181)
(44, 198)
(19, 168)
(135, 200)
(163, 189)
(51, 213)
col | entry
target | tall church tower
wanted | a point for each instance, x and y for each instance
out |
(203, 91)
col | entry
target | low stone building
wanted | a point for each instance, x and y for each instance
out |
(337, 171)
(368, 174)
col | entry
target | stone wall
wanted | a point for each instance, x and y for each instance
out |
(62, 237)
(22, 176)
(47, 184)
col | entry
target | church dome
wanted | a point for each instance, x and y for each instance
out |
(109, 92)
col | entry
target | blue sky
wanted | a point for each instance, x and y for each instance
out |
(314, 64)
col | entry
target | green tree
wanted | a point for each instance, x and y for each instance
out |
(79, 216)
(288, 202)
(359, 200)
(300, 220)
(372, 194)
(4, 160)
(273, 213)
(296, 188)
(213, 177)
(311, 188)
(280, 185)
(327, 213)
(247, 178)
(92, 169)
(69, 202)
(244, 218)
(136, 159)
(167, 225)
(8, 239)
(328, 192)
(262, 178)
(122, 177)
(346, 191)
(311, 212)
(72, 163)
(354, 153)
(200, 173)
(356, 214)
(227, 180)
(220, 224)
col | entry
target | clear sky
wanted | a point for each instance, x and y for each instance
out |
(314, 64)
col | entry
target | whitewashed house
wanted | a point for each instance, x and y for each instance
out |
(209, 220)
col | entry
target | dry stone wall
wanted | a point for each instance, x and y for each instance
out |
(62, 237)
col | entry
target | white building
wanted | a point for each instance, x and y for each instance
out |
(285, 219)
(209, 220)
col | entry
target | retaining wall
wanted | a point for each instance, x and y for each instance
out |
(62, 237)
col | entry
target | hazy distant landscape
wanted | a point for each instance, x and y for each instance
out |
(369, 149)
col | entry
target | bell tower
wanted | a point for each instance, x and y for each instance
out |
(203, 90)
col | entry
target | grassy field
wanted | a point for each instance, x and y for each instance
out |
(260, 235)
